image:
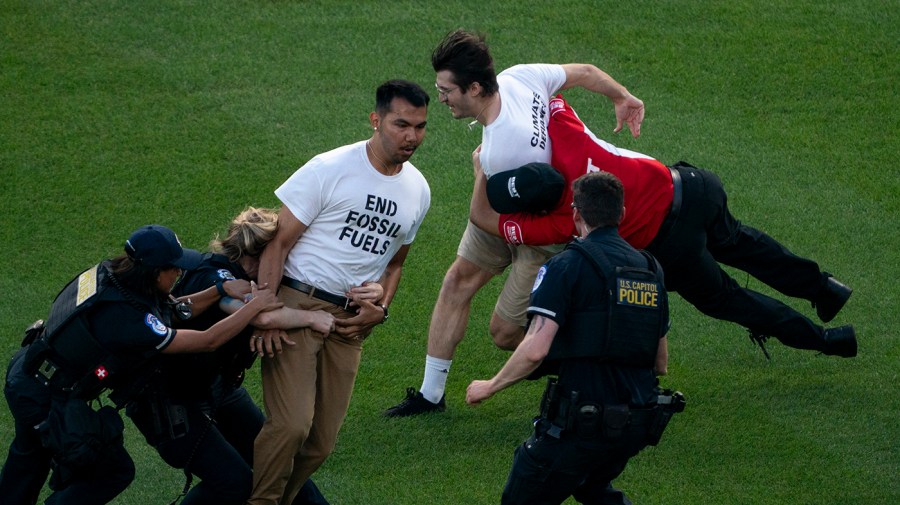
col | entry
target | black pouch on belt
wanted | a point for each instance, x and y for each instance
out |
(170, 420)
(549, 399)
(615, 418)
(588, 420)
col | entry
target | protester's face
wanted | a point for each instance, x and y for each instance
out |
(167, 278)
(401, 130)
(452, 95)
(250, 266)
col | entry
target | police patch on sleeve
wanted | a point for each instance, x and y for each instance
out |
(225, 274)
(155, 325)
(539, 278)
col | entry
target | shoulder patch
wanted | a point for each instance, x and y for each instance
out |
(226, 274)
(155, 325)
(87, 285)
(539, 278)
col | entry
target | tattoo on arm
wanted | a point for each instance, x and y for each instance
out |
(537, 324)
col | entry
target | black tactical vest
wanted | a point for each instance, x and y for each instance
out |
(627, 329)
(67, 357)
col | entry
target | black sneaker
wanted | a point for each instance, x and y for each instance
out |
(414, 404)
(840, 341)
(834, 296)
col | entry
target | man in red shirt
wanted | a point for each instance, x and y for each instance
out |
(680, 215)
(579, 152)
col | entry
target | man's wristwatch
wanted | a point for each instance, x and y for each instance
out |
(385, 309)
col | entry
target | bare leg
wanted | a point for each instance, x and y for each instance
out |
(507, 335)
(448, 327)
(451, 311)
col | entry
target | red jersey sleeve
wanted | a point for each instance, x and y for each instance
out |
(533, 229)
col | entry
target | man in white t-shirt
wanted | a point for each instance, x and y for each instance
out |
(513, 107)
(347, 220)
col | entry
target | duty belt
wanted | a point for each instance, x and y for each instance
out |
(325, 296)
(589, 419)
(567, 416)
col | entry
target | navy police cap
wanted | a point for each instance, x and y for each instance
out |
(157, 246)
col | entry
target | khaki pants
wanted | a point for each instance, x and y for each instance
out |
(306, 392)
(492, 254)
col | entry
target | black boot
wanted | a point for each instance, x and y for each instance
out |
(834, 296)
(840, 341)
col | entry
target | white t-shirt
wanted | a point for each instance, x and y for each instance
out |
(519, 134)
(357, 217)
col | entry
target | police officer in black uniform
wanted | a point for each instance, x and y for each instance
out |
(195, 413)
(105, 331)
(599, 315)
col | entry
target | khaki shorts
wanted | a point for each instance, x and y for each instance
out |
(492, 254)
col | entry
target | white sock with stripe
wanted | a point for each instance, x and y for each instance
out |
(435, 381)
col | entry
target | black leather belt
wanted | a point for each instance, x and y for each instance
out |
(676, 201)
(676, 192)
(325, 296)
(672, 215)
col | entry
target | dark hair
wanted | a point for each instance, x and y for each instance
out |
(398, 88)
(599, 196)
(467, 56)
(138, 278)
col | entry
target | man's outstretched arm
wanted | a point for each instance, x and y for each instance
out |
(629, 109)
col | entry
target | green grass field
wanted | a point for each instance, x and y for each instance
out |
(114, 114)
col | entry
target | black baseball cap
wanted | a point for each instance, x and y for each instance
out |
(157, 246)
(534, 187)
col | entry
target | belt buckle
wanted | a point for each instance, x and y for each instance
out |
(325, 296)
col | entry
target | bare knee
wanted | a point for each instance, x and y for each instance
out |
(462, 280)
(507, 335)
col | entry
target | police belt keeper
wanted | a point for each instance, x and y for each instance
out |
(325, 296)
(566, 413)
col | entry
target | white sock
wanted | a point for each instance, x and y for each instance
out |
(435, 380)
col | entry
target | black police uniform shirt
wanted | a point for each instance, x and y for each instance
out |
(567, 284)
(188, 376)
(212, 269)
(134, 336)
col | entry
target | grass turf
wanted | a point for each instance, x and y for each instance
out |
(116, 114)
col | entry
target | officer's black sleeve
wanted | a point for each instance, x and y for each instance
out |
(202, 278)
(554, 287)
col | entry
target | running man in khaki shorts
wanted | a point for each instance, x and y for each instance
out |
(513, 108)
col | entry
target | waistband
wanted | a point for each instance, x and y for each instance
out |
(672, 216)
(325, 296)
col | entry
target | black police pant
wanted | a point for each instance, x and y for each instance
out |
(706, 234)
(28, 462)
(220, 453)
(547, 470)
